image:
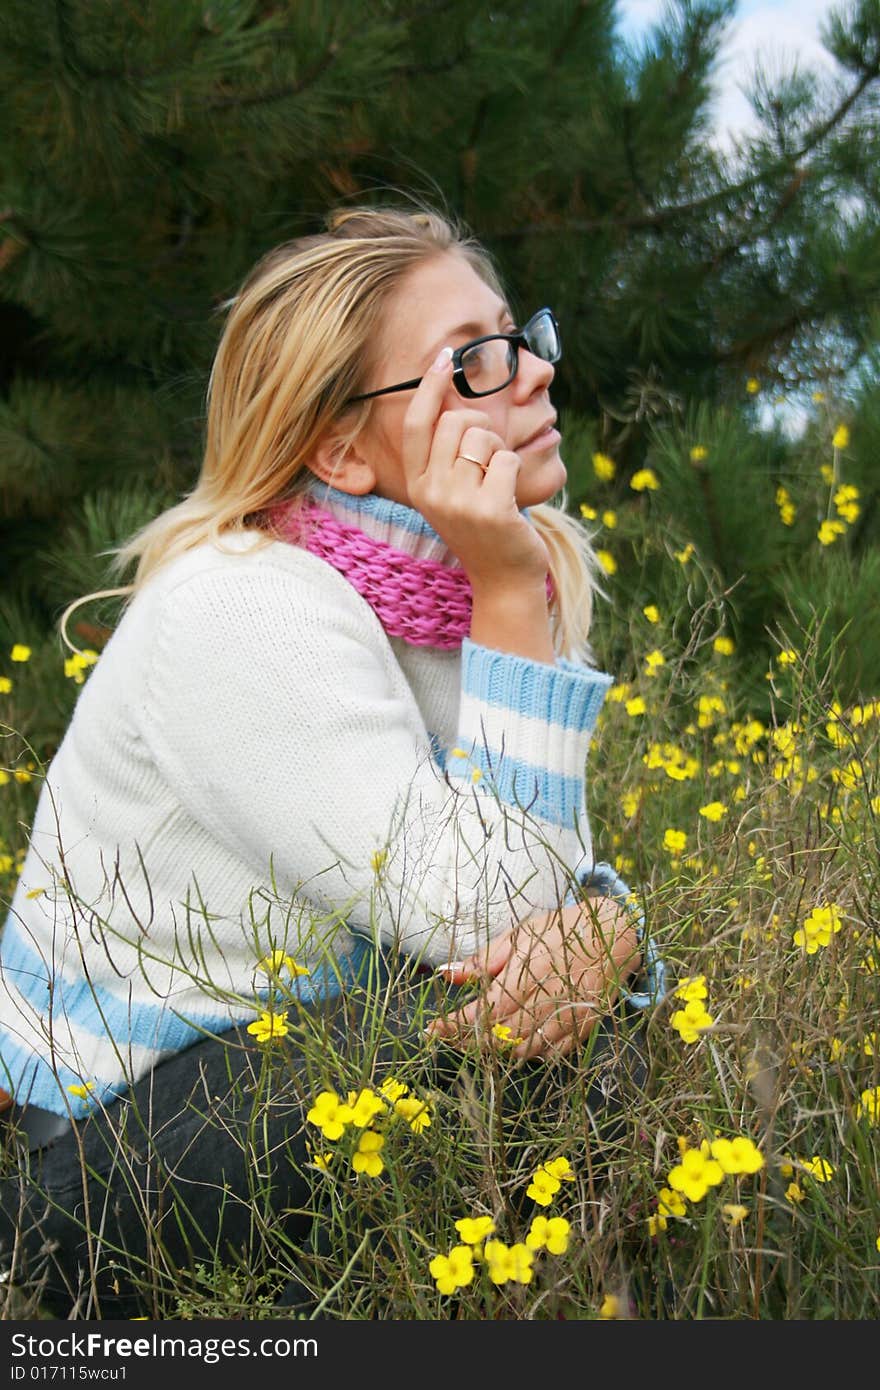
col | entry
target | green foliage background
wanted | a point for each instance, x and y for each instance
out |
(150, 157)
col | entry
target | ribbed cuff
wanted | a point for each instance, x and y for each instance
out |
(526, 725)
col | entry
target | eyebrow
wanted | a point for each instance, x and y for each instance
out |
(472, 329)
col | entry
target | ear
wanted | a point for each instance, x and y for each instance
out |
(342, 466)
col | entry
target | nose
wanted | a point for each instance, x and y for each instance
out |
(532, 374)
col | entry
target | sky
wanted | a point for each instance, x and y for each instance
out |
(776, 33)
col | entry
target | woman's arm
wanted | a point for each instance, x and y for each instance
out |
(276, 710)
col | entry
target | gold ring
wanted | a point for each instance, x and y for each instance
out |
(471, 459)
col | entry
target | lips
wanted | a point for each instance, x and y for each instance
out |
(542, 429)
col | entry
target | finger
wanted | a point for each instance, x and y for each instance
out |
(502, 473)
(478, 446)
(422, 414)
(425, 416)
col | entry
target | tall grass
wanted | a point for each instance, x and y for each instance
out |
(752, 840)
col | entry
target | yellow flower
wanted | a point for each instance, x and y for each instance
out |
(453, 1271)
(841, 437)
(476, 775)
(604, 467)
(682, 556)
(698, 453)
(474, 1229)
(277, 961)
(818, 1168)
(379, 858)
(753, 386)
(322, 1161)
(82, 1092)
(607, 561)
(656, 1223)
(829, 531)
(696, 1173)
(724, 646)
(645, 479)
(788, 657)
(544, 1186)
(692, 987)
(392, 1089)
(739, 1155)
(869, 1106)
(20, 652)
(612, 1307)
(512, 1263)
(587, 512)
(75, 665)
(845, 502)
(670, 1203)
(818, 397)
(364, 1106)
(366, 1158)
(691, 1021)
(653, 661)
(652, 613)
(630, 803)
(609, 519)
(818, 928)
(268, 1027)
(635, 706)
(713, 810)
(5, 685)
(674, 840)
(560, 1168)
(417, 1113)
(794, 1193)
(787, 509)
(505, 1034)
(330, 1114)
(826, 472)
(550, 1232)
(734, 1214)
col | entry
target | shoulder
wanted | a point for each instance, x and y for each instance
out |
(248, 599)
(245, 571)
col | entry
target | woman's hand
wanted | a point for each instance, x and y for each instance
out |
(472, 506)
(549, 979)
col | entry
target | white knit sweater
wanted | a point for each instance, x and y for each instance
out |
(254, 766)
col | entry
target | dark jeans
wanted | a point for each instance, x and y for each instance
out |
(209, 1152)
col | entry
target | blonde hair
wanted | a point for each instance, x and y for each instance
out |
(294, 348)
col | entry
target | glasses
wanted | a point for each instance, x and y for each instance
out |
(486, 365)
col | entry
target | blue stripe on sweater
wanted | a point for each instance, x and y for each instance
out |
(569, 696)
(94, 1012)
(550, 796)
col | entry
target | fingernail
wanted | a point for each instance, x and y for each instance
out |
(454, 965)
(442, 360)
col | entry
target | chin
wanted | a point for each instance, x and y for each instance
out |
(539, 482)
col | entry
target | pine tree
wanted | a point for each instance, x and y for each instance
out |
(150, 155)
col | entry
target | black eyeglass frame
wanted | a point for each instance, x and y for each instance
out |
(518, 339)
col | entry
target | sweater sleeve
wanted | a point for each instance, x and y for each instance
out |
(275, 708)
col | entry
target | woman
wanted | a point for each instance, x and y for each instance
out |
(347, 708)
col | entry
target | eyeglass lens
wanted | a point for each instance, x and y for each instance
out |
(489, 366)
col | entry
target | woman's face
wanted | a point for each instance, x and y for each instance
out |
(444, 302)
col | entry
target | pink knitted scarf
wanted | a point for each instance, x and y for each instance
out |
(426, 603)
